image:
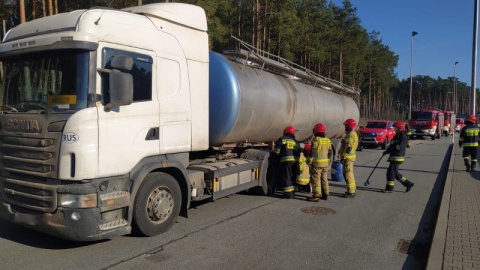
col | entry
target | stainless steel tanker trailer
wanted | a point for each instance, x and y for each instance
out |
(116, 120)
(248, 103)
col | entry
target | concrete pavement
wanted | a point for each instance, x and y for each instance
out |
(456, 241)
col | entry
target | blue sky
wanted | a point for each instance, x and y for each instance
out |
(445, 34)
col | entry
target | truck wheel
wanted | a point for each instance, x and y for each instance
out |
(385, 144)
(157, 204)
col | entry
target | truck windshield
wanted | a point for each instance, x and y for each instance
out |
(55, 81)
(422, 116)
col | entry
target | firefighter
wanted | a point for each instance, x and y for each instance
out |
(319, 158)
(469, 139)
(397, 150)
(348, 156)
(303, 170)
(287, 149)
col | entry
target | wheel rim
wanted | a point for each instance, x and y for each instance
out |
(160, 205)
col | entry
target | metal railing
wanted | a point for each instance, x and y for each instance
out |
(280, 65)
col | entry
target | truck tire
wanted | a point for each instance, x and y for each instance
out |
(433, 137)
(157, 204)
(385, 144)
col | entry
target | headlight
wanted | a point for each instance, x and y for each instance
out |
(77, 200)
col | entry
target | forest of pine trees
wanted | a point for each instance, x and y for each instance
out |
(316, 34)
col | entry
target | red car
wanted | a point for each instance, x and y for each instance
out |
(377, 133)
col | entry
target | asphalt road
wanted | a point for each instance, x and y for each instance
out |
(245, 231)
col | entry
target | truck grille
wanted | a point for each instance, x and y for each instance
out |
(26, 164)
(29, 195)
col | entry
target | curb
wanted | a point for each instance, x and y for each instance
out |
(437, 248)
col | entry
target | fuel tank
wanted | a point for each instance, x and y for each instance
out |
(248, 104)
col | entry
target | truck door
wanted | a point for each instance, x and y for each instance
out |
(127, 133)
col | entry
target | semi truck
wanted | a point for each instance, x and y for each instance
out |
(115, 121)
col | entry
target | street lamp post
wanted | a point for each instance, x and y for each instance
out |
(411, 79)
(450, 107)
(455, 88)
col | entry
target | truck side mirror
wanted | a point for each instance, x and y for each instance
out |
(121, 83)
(122, 62)
(121, 88)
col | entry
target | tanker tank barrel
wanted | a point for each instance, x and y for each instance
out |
(253, 98)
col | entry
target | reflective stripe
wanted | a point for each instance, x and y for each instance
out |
(396, 159)
(470, 144)
(350, 156)
(391, 183)
(303, 180)
(288, 158)
(319, 159)
(288, 189)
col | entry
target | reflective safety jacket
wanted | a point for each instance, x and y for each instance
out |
(349, 146)
(287, 149)
(469, 136)
(397, 147)
(320, 152)
(303, 176)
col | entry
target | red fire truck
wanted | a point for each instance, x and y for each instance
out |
(427, 123)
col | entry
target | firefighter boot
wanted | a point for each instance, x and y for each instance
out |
(467, 165)
(388, 189)
(288, 195)
(314, 198)
(472, 167)
(349, 195)
(408, 185)
(326, 193)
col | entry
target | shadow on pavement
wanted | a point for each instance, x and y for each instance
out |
(419, 248)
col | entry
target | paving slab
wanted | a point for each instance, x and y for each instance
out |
(456, 241)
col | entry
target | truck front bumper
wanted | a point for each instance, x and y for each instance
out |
(72, 224)
(423, 132)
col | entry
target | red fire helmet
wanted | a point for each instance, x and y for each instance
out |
(289, 129)
(319, 128)
(350, 124)
(472, 119)
(400, 124)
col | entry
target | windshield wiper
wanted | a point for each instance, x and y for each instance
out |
(30, 106)
(6, 108)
